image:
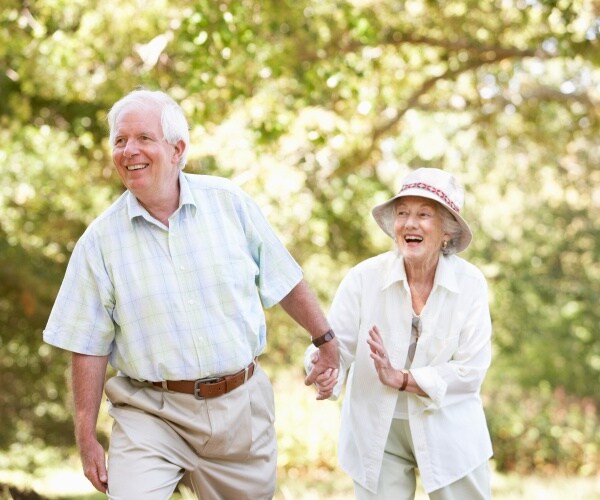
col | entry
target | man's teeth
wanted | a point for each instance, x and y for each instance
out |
(139, 166)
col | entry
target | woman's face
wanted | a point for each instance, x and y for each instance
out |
(418, 229)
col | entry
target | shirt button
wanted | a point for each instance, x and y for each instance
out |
(191, 302)
(182, 268)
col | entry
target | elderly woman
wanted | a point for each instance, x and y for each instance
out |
(414, 331)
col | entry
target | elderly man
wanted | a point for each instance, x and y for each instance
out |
(169, 285)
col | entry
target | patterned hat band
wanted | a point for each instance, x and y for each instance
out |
(434, 190)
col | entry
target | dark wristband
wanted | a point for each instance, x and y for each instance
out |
(323, 339)
(404, 380)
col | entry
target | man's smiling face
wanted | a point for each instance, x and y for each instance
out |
(143, 158)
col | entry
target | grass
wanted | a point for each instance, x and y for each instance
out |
(321, 484)
(335, 486)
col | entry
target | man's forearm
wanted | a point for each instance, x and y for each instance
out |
(87, 374)
(302, 306)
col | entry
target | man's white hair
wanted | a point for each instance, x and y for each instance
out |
(173, 122)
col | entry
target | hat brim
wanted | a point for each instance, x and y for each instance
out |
(384, 216)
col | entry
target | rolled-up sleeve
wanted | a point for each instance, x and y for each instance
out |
(463, 374)
(344, 318)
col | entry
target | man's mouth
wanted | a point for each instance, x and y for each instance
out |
(137, 166)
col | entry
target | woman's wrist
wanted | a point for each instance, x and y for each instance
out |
(403, 384)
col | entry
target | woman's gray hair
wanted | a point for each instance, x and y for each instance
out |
(450, 226)
(172, 119)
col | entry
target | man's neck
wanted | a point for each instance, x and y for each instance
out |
(161, 205)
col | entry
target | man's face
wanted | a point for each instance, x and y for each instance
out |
(146, 163)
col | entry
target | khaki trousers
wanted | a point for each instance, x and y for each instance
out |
(225, 445)
(397, 480)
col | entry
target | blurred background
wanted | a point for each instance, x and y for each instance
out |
(318, 108)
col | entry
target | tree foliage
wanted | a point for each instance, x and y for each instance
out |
(317, 108)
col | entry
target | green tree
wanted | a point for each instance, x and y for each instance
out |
(317, 108)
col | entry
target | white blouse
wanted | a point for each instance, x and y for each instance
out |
(448, 427)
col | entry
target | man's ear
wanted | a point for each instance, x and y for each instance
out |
(179, 150)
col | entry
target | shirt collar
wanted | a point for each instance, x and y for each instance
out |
(185, 193)
(395, 270)
(444, 274)
(135, 208)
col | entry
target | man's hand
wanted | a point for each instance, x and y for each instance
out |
(302, 305)
(94, 464)
(87, 376)
(324, 373)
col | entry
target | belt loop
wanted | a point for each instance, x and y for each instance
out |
(164, 385)
(246, 370)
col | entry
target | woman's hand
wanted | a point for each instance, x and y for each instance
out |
(388, 375)
(326, 381)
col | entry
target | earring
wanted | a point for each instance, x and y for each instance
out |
(444, 244)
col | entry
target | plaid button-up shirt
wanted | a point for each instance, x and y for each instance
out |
(174, 303)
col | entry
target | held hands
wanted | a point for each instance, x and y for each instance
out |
(94, 465)
(388, 375)
(325, 369)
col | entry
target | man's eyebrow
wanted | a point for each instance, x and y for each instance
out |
(137, 134)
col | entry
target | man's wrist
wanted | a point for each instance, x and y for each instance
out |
(323, 339)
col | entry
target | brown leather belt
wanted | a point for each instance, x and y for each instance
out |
(209, 387)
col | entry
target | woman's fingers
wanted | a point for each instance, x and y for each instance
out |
(378, 352)
(325, 383)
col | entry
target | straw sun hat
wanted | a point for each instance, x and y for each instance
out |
(434, 184)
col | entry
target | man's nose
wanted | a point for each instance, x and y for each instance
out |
(130, 149)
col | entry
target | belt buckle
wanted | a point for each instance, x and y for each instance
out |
(246, 370)
(197, 383)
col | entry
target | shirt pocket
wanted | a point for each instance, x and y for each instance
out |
(443, 346)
